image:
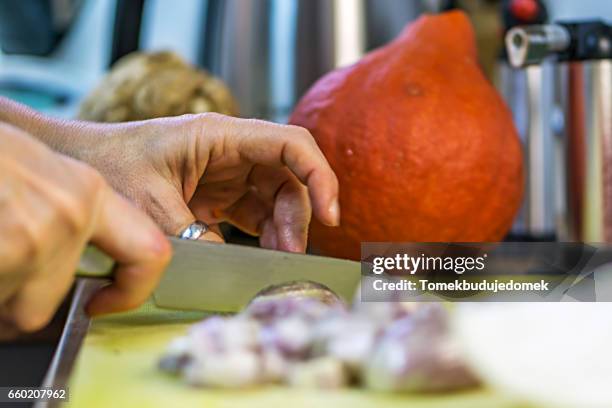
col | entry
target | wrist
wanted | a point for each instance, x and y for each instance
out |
(69, 137)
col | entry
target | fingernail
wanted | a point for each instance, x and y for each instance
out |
(334, 212)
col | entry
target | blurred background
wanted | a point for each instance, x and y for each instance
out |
(266, 53)
(55, 56)
(53, 52)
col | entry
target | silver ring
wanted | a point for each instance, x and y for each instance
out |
(194, 230)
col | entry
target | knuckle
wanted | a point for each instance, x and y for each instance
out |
(77, 208)
(75, 214)
(212, 116)
(213, 124)
(301, 133)
(163, 251)
(335, 182)
(93, 182)
(208, 119)
(26, 254)
(166, 251)
(28, 242)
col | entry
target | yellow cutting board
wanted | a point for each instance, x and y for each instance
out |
(117, 368)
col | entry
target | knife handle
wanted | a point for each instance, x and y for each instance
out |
(95, 264)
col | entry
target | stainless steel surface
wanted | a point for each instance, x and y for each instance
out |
(270, 51)
(531, 44)
(565, 118)
(532, 95)
(539, 148)
(75, 329)
(588, 158)
(224, 277)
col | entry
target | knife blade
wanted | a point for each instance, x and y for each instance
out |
(224, 277)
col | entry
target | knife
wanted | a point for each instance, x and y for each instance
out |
(217, 277)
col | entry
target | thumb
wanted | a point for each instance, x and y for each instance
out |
(173, 215)
(139, 247)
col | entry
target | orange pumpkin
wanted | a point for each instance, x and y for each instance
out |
(423, 146)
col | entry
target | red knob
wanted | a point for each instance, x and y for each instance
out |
(525, 10)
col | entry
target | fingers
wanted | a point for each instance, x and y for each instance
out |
(140, 249)
(172, 214)
(279, 145)
(273, 194)
(291, 217)
(281, 190)
(248, 213)
(269, 237)
(283, 227)
(35, 303)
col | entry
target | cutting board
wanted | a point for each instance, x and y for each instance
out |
(117, 368)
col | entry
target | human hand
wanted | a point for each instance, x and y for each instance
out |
(259, 176)
(51, 206)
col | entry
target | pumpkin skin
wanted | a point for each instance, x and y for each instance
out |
(424, 148)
